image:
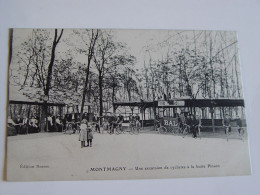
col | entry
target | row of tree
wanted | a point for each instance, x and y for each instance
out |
(61, 77)
(204, 66)
(91, 65)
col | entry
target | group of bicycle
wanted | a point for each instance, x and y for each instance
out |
(114, 124)
(184, 126)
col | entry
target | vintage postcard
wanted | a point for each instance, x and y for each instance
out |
(99, 104)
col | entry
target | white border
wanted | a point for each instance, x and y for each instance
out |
(242, 16)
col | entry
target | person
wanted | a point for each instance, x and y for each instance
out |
(137, 122)
(83, 135)
(131, 121)
(50, 124)
(113, 123)
(105, 124)
(119, 121)
(96, 123)
(227, 124)
(137, 117)
(90, 137)
(59, 124)
(181, 120)
(75, 123)
(239, 124)
(33, 125)
(157, 121)
(18, 124)
(189, 121)
(194, 125)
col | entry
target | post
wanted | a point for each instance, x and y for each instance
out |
(212, 119)
(142, 118)
(28, 116)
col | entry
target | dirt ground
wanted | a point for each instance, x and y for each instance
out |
(59, 156)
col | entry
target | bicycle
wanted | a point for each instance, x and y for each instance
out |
(185, 130)
(241, 133)
(132, 128)
(161, 129)
(105, 127)
(227, 131)
(119, 129)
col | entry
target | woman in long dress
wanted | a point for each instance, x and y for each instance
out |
(83, 135)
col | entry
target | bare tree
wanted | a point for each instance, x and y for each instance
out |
(90, 40)
(38, 57)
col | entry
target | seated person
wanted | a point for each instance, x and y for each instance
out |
(51, 125)
(32, 126)
(59, 124)
(19, 124)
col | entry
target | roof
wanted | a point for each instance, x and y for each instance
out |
(185, 103)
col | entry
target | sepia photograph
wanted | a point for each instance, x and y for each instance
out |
(111, 104)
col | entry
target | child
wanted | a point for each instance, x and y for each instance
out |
(90, 137)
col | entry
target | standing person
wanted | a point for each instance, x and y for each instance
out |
(119, 121)
(189, 122)
(113, 123)
(138, 122)
(83, 135)
(137, 117)
(96, 122)
(49, 123)
(227, 124)
(131, 121)
(239, 124)
(90, 137)
(181, 120)
(194, 126)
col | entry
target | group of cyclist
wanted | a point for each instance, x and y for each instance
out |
(113, 124)
(191, 124)
(186, 124)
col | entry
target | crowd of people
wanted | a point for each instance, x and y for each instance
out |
(109, 123)
(25, 125)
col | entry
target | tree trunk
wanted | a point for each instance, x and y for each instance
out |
(113, 96)
(89, 90)
(100, 85)
(90, 55)
(49, 77)
(43, 117)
